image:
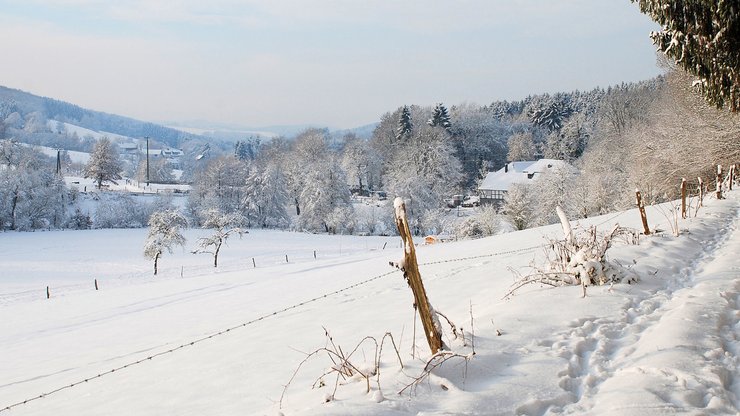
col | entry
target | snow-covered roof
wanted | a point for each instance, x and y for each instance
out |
(518, 172)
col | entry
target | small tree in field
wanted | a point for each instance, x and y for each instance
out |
(164, 233)
(224, 226)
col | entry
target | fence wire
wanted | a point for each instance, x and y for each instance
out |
(250, 322)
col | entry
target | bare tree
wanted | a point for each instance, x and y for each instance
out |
(224, 226)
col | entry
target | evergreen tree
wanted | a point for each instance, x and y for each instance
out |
(104, 164)
(440, 117)
(704, 38)
(403, 132)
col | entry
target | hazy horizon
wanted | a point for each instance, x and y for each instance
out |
(324, 62)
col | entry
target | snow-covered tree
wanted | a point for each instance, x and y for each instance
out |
(224, 226)
(160, 171)
(361, 164)
(405, 127)
(164, 234)
(479, 139)
(221, 185)
(550, 190)
(267, 195)
(518, 207)
(31, 194)
(422, 172)
(440, 117)
(522, 147)
(104, 164)
(325, 196)
(703, 37)
(570, 141)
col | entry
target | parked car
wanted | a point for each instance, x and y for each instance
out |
(471, 201)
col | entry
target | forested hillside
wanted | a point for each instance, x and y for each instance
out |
(25, 117)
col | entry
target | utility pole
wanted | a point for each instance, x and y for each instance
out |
(147, 160)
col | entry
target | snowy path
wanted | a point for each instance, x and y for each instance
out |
(657, 340)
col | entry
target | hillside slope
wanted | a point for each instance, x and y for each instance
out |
(227, 341)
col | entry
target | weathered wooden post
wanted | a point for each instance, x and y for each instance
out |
(48, 292)
(683, 198)
(701, 192)
(719, 181)
(731, 174)
(411, 273)
(643, 216)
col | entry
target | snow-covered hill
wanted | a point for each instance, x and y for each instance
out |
(226, 341)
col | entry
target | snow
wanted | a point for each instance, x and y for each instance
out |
(74, 156)
(518, 172)
(665, 345)
(83, 132)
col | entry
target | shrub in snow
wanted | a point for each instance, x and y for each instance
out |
(487, 222)
(79, 221)
(118, 210)
(580, 259)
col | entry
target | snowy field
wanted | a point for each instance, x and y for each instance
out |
(666, 345)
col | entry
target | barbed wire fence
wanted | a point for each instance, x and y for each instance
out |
(249, 322)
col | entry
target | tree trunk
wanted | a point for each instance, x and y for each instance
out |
(413, 278)
(215, 255)
(13, 207)
(643, 216)
(156, 259)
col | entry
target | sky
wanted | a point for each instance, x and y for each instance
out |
(335, 63)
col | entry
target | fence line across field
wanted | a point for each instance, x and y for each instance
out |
(250, 322)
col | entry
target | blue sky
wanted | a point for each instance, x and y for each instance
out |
(339, 63)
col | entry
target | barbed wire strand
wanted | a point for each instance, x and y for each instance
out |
(250, 322)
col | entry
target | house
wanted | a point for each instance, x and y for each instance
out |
(495, 185)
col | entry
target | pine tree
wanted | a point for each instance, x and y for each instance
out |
(440, 117)
(104, 164)
(704, 38)
(403, 132)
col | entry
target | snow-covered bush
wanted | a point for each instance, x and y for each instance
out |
(486, 222)
(580, 259)
(79, 221)
(120, 211)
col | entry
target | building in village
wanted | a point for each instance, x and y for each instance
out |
(495, 185)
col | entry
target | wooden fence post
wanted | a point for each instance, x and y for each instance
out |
(411, 272)
(731, 174)
(701, 192)
(643, 216)
(48, 293)
(719, 181)
(96, 284)
(683, 198)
